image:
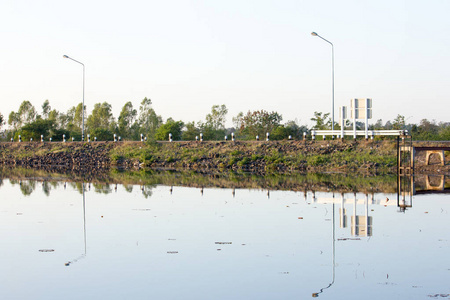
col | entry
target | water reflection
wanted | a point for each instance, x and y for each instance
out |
(83, 255)
(140, 241)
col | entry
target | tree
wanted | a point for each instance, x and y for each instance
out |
(26, 113)
(2, 120)
(46, 108)
(216, 119)
(191, 132)
(39, 127)
(214, 127)
(295, 130)
(399, 123)
(171, 126)
(149, 121)
(257, 123)
(126, 119)
(322, 121)
(101, 117)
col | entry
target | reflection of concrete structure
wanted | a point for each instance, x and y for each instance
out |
(439, 187)
(361, 224)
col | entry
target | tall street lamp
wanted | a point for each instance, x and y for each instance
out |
(332, 78)
(82, 110)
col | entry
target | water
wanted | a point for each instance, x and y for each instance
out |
(163, 242)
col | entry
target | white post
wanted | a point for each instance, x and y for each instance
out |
(313, 135)
(201, 137)
(232, 136)
(170, 137)
(367, 120)
(42, 138)
(342, 121)
(304, 136)
(267, 136)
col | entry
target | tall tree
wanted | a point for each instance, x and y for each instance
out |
(126, 120)
(399, 122)
(216, 119)
(2, 120)
(149, 121)
(101, 117)
(46, 108)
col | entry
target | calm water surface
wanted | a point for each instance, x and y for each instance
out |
(162, 242)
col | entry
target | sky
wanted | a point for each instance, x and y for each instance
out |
(187, 56)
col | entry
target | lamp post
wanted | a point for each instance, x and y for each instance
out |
(332, 78)
(82, 110)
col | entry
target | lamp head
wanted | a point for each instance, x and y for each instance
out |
(65, 56)
(314, 34)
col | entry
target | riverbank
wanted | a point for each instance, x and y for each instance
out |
(282, 157)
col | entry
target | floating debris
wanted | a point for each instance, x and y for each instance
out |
(223, 243)
(439, 296)
(172, 252)
(46, 250)
(171, 239)
(142, 209)
(300, 218)
(349, 239)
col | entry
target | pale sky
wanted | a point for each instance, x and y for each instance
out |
(189, 55)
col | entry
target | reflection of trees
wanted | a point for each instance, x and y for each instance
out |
(27, 187)
(1, 182)
(102, 188)
(128, 188)
(147, 190)
(46, 187)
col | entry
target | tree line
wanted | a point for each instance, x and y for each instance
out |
(134, 122)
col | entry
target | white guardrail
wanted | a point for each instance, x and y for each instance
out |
(354, 133)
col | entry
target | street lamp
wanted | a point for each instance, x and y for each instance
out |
(82, 111)
(332, 78)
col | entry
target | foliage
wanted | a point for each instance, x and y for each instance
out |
(102, 134)
(258, 123)
(149, 121)
(322, 121)
(191, 132)
(171, 126)
(100, 118)
(126, 121)
(214, 127)
(2, 120)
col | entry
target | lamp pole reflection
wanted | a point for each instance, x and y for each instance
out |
(84, 230)
(315, 295)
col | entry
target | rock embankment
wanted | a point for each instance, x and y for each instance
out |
(369, 158)
(74, 155)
